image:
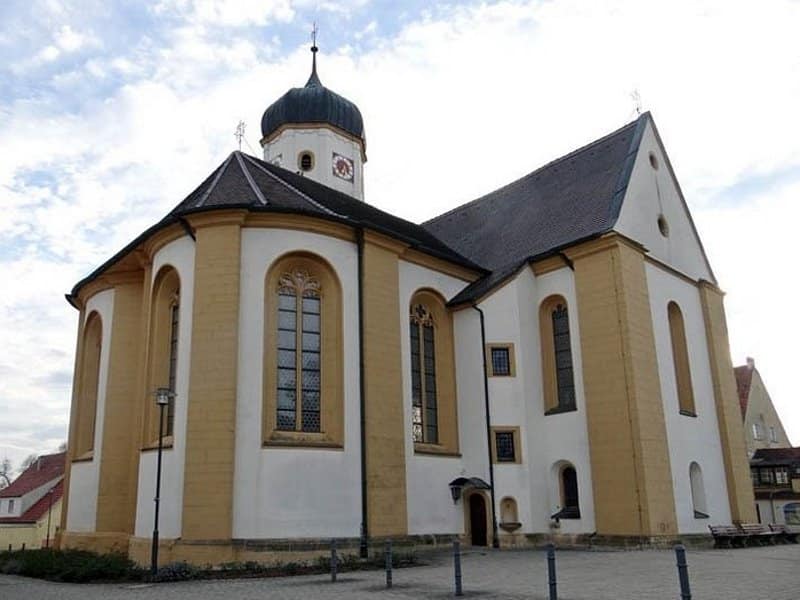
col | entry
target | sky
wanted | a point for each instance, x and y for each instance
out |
(112, 111)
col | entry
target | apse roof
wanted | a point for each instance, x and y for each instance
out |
(243, 181)
(570, 199)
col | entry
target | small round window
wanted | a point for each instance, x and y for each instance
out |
(306, 161)
(653, 161)
(663, 226)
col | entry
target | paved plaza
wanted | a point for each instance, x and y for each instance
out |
(769, 573)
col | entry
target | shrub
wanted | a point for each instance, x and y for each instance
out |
(76, 566)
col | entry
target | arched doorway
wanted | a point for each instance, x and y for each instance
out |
(477, 519)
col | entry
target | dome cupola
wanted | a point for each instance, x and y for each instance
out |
(318, 134)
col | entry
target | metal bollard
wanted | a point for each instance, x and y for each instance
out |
(551, 571)
(683, 572)
(23, 546)
(334, 561)
(388, 557)
(457, 566)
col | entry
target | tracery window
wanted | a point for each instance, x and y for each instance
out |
(299, 352)
(424, 421)
(556, 345)
(174, 313)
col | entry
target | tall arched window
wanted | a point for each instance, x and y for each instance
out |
(557, 372)
(164, 329)
(680, 360)
(433, 390)
(303, 353)
(88, 385)
(698, 491)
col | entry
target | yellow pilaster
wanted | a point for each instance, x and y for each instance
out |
(386, 468)
(211, 419)
(630, 462)
(734, 449)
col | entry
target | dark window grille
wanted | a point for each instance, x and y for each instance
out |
(424, 406)
(173, 365)
(504, 446)
(501, 361)
(565, 380)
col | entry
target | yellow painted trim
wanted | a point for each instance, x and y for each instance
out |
(117, 484)
(300, 223)
(211, 403)
(517, 444)
(217, 218)
(385, 242)
(437, 264)
(512, 368)
(548, 265)
(331, 433)
(731, 432)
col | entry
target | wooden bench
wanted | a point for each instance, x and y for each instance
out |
(758, 533)
(727, 536)
(784, 533)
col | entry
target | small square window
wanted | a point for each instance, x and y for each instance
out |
(10, 506)
(504, 441)
(500, 359)
(773, 435)
(501, 362)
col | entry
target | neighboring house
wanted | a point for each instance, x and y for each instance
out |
(550, 357)
(30, 508)
(776, 481)
(762, 425)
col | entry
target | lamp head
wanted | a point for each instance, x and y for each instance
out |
(163, 396)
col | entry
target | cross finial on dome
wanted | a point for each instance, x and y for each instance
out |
(314, 79)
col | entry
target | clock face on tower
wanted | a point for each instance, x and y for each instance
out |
(343, 167)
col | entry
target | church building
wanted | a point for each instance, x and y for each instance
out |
(548, 361)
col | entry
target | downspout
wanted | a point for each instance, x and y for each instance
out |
(495, 540)
(364, 539)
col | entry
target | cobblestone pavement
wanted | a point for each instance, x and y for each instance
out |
(769, 573)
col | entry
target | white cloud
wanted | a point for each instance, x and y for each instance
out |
(455, 105)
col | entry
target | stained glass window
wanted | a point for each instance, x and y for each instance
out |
(424, 417)
(299, 353)
(565, 382)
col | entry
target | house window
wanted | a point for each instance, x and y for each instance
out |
(303, 354)
(680, 361)
(773, 435)
(569, 494)
(89, 382)
(299, 353)
(500, 360)
(424, 423)
(791, 513)
(10, 506)
(756, 431)
(506, 446)
(766, 476)
(556, 346)
(698, 491)
(781, 476)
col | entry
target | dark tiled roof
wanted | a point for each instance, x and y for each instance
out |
(40, 508)
(571, 199)
(47, 468)
(776, 456)
(744, 378)
(243, 181)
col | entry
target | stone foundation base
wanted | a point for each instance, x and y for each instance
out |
(205, 553)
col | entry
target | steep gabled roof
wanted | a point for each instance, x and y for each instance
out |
(572, 199)
(39, 508)
(47, 468)
(776, 456)
(243, 181)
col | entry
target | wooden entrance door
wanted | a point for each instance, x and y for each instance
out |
(477, 519)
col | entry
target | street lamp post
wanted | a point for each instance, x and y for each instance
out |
(163, 396)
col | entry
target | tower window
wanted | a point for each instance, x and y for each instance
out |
(306, 161)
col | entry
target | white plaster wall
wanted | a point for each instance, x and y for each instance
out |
(689, 438)
(429, 504)
(512, 315)
(322, 142)
(773, 511)
(180, 255)
(293, 492)
(649, 193)
(85, 476)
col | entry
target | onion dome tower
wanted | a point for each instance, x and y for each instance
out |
(317, 133)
